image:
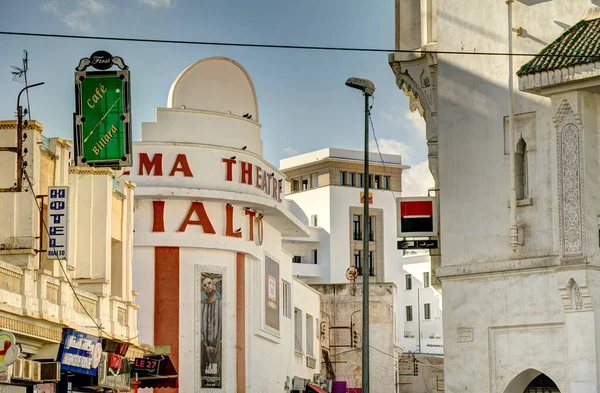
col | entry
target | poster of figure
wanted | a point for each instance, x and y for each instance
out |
(271, 293)
(211, 326)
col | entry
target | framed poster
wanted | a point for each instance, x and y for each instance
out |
(211, 330)
(271, 293)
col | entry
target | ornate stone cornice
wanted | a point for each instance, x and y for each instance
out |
(12, 125)
(90, 171)
(30, 329)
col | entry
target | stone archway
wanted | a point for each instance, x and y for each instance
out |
(532, 381)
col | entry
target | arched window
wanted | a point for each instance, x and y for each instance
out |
(521, 170)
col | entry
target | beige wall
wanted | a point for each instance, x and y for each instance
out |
(342, 304)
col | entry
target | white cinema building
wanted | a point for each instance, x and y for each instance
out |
(214, 283)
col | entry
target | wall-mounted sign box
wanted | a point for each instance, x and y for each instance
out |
(103, 116)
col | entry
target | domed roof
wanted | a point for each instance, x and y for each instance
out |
(215, 84)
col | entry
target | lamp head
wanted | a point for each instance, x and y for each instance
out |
(364, 85)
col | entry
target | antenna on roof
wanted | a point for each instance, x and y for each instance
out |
(20, 75)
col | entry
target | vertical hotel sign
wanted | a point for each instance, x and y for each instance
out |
(58, 223)
(102, 117)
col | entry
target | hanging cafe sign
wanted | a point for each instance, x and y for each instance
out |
(102, 119)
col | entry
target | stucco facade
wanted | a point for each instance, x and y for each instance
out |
(210, 212)
(510, 316)
(36, 297)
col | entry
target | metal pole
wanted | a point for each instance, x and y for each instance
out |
(20, 137)
(419, 315)
(366, 268)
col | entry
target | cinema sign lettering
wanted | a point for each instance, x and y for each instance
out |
(233, 171)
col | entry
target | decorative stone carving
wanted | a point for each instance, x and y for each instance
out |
(575, 297)
(31, 329)
(570, 181)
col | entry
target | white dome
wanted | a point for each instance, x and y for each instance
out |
(215, 84)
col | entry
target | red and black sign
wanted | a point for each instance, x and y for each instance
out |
(416, 217)
(145, 366)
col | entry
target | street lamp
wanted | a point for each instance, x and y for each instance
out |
(368, 88)
(19, 186)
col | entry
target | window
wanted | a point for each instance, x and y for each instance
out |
(314, 180)
(359, 180)
(304, 184)
(297, 259)
(342, 178)
(357, 260)
(351, 179)
(377, 181)
(295, 186)
(310, 335)
(408, 279)
(314, 255)
(386, 182)
(426, 280)
(408, 313)
(521, 169)
(356, 227)
(427, 310)
(287, 299)
(371, 263)
(298, 329)
(313, 220)
(371, 181)
(371, 226)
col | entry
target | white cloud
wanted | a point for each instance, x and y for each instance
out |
(76, 16)
(288, 152)
(392, 146)
(417, 180)
(401, 117)
(157, 3)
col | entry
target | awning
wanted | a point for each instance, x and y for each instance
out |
(314, 388)
(165, 377)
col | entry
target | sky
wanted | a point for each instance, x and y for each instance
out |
(303, 102)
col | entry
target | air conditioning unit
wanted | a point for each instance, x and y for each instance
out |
(299, 384)
(318, 378)
(50, 372)
(28, 370)
(17, 368)
(37, 371)
(326, 385)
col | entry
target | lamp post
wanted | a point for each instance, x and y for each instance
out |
(19, 186)
(368, 88)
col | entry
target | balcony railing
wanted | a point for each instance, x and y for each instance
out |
(10, 281)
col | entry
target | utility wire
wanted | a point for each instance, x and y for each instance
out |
(302, 47)
(379, 151)
(60, 262)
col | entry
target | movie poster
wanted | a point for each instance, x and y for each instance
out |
(271, 293)
(211, 326)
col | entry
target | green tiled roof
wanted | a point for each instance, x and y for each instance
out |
(582, 39)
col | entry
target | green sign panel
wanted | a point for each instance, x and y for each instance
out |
(102, 120)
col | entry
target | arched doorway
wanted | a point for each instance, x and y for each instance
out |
(532, 381)
(542, 384)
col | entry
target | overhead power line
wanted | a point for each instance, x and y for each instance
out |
(298, 47)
